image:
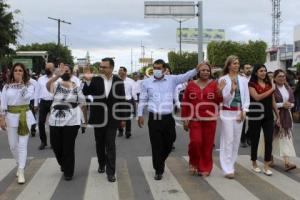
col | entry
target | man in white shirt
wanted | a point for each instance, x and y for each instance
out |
(130, 96)
(45, 99)
(246, 70)
(34, 104)
(158, 94)
(137, 86)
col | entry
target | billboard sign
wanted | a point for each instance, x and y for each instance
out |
(170, 9)
(190, 35)
(26, 61)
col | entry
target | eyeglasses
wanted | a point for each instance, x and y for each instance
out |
(104, 67)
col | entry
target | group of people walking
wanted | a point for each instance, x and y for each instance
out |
(232, 98)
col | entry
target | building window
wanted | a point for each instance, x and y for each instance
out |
(273, 56)
(297, 46)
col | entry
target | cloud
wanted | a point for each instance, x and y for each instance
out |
(117, 25)
(245, 31)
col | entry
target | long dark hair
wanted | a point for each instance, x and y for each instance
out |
(25, 73)
(254, 78)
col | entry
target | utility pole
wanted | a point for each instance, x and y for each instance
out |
(131, 61)
(180, 40)
(200, 31)
(65, 37)
(58, 22)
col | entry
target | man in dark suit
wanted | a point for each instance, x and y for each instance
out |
(106, 114)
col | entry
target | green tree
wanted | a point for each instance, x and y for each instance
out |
(9, 32)
(253, 52)
(182, 63)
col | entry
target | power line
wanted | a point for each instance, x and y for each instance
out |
(58, 22)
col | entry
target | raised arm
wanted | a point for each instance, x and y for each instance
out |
(186, 76)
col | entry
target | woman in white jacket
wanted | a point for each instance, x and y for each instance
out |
(16, 117)
(233, 112)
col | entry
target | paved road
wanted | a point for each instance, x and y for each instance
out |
(135, 174)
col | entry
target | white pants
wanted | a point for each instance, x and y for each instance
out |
(231, 132)
(18, 146)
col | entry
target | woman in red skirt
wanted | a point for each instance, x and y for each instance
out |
(199, 112)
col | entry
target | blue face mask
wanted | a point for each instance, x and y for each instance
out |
(157, 73)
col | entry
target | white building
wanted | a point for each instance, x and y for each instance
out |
(280, 57)
(296, 56)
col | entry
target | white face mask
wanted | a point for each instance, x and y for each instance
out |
(157, 73)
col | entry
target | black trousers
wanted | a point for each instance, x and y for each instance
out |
(245, 134)
(62, 140)
(162, 136)
(44, 110)
(130, 107)
(106, 148)
(31, 106)
(254, 131)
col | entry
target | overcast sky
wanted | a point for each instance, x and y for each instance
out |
(113, 27)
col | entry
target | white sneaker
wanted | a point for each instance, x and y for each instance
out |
(256, 169)
(21, 177)
(268, 172)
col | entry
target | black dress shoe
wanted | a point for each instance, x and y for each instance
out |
(111, 178)
(158, 177)
(244, 145)
(32, 134)
(68, 178)
(101, 170)
(42, 146)
(128, 135)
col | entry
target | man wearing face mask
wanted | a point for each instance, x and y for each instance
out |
(45, 99)
(158, 94)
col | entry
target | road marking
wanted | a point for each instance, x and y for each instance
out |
(6, 166)
(278, 180)
(44, 182)
(228, 189)
(166, 189)
(97, 185)
(124, 182)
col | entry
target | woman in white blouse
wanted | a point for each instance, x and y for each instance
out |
(65, 118)
(16, 117)
(283, 138)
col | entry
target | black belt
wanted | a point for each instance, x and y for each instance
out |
(159, 116)
(46, 100)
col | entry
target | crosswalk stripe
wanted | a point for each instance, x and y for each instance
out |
(44, 182)
(231, 190)
(124, 181)
(97, 185)
(278, 180)
(194, 186)
(168, 188)
(7, 165)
